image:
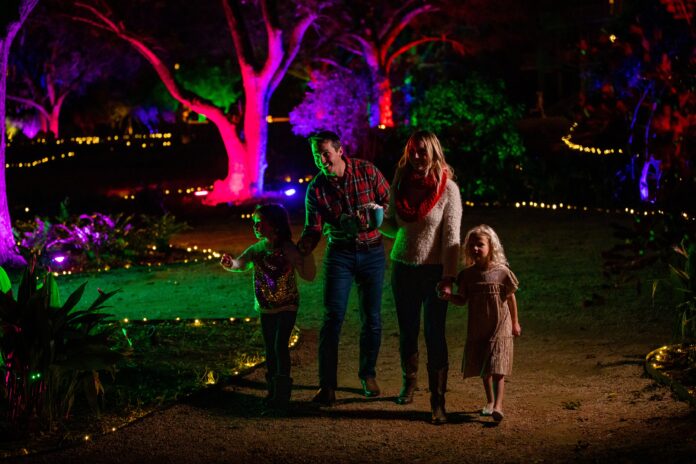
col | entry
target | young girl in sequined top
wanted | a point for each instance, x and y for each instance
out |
(274, 259)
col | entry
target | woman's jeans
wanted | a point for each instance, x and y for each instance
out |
(277, 329)
(341, 267)
(415, 286)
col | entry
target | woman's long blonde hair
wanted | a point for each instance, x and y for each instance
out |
(438, 165)
(497, 254)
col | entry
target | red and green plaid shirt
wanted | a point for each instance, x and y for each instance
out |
(328, 198)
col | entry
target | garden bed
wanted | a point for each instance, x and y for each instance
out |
(165, 361)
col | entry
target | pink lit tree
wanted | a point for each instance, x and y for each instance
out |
(263, 62)
(13, 15)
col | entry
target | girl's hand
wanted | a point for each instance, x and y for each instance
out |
(516, 329)
(227, 261)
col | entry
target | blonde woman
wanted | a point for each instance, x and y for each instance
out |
(488, 286)
(424, 218)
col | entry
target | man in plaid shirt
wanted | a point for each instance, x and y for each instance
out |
(343, 200)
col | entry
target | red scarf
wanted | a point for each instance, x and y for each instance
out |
(416, 195)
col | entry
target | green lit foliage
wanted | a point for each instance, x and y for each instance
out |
(219, 85)
(50, 350)
(477, 126)
(336, 101)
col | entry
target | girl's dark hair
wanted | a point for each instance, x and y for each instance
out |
(279, 219)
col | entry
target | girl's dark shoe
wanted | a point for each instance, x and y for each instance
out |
(325, 397)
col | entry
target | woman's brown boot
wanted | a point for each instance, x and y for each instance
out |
(409, 368)
(437, 378)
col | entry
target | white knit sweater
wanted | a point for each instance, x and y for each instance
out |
(434, 239)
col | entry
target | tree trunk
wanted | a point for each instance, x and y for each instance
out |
(8, 250)
(384, 103)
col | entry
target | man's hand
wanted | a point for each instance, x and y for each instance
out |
(350, 224)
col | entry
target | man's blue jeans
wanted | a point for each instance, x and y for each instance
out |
(341, 267)
(415, 287)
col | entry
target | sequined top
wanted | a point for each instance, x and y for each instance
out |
(275, 285)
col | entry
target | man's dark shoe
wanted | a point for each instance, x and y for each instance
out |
(325, 397)
(370, 387)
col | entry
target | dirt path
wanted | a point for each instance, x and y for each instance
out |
(578, 394)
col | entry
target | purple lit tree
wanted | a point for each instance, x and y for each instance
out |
(266, 37)
(51, 61)
(12, 15)
(337, 101)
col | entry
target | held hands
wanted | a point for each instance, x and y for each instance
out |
(444, 290)
(516, 329)
(304, 246)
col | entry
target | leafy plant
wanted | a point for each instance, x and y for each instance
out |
(49, 350)
(685, 275)
(95, 240)
(476, 122)
(157, 231)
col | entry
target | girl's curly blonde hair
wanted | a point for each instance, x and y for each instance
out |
(496, 252)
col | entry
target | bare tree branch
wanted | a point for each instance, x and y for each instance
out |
(459, 47)
(390, 35)
(30, 103)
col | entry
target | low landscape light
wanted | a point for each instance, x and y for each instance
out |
(290, 192)
(201, 193)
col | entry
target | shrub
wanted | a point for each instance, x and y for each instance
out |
(96, 240)
(476, 125)
(50, 350)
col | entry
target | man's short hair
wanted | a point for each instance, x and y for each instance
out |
(323, 136)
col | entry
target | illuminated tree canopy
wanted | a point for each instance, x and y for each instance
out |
(477, 124)
(266, 37)
(50, 62)
(337, 101)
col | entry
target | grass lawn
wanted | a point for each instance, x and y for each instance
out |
(556, 256)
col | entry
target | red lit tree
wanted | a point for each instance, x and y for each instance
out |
(374, 33)
(263, 62)
(12, 14)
